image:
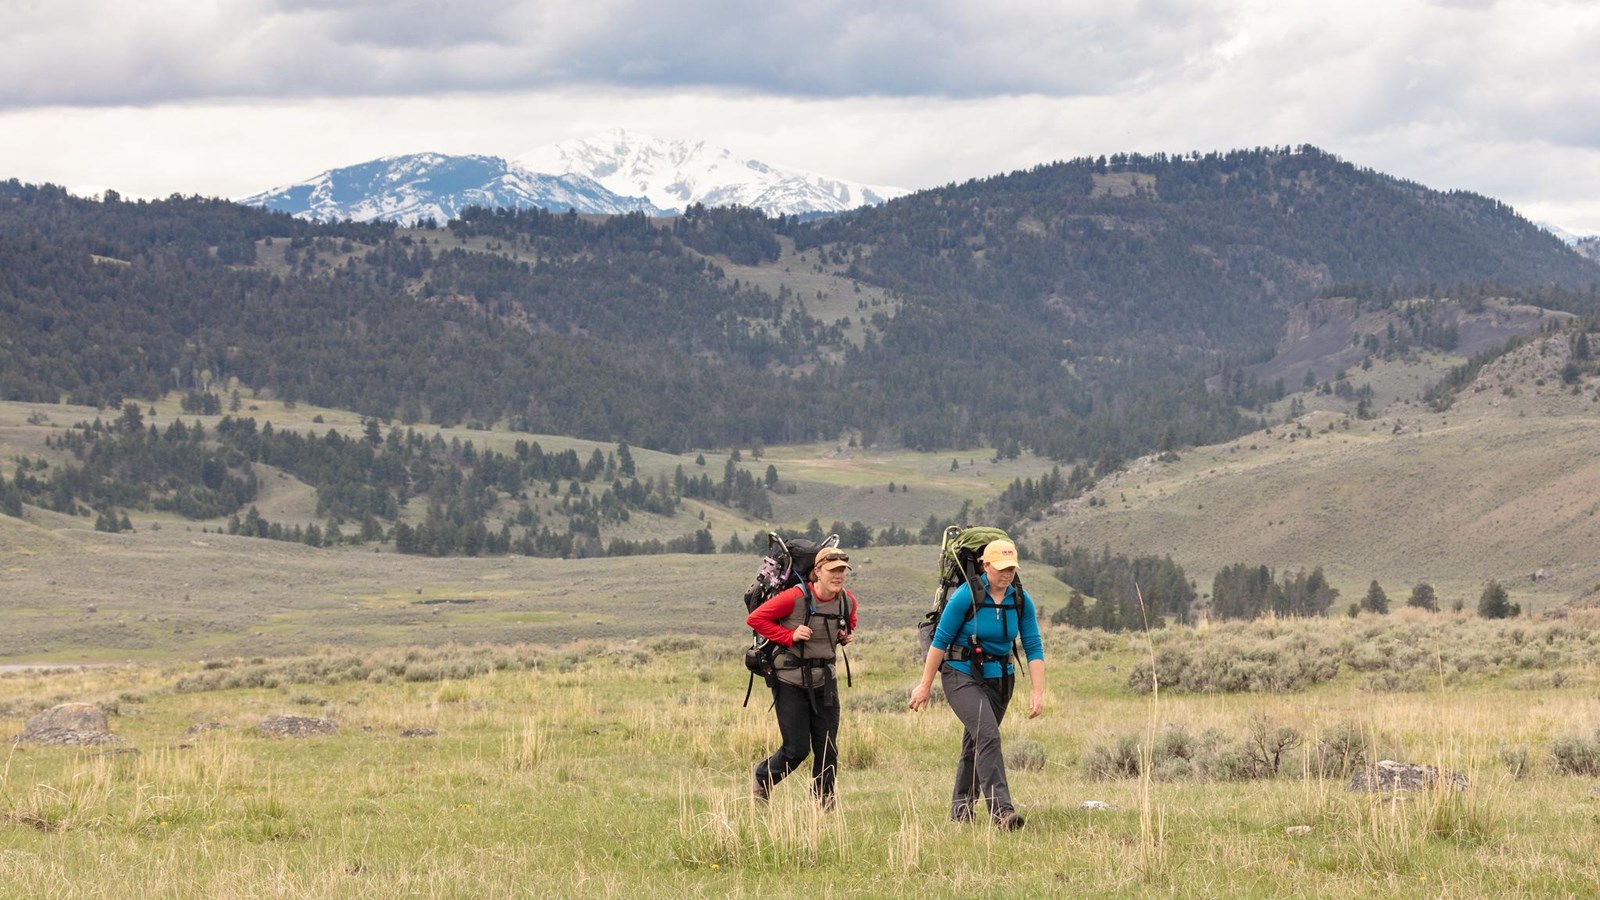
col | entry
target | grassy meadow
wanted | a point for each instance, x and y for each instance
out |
(573, 727)
(622, 769)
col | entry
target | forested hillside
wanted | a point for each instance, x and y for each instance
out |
(1075, 309)
(1136, 272)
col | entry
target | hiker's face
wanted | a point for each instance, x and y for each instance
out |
(1000, 577)
(831, 581)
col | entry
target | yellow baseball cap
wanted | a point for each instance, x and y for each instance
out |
(1000, 554)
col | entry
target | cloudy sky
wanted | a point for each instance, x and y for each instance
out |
(229, 97)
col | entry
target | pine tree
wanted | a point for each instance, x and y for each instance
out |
(1376, 601)
(10, 499)
(1422, 597)
(1494, 603)
(625, 465)
(1075, 613)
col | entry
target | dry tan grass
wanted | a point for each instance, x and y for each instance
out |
(179, 593)
(604, 780)
(1500, 486)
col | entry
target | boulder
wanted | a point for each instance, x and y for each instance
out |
(297, 726)
(69, 724)
(1397, 777)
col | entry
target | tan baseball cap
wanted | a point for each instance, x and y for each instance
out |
(833, 558)
(1000, 554)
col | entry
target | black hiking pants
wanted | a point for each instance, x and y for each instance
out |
(808, 719)
(980, 704)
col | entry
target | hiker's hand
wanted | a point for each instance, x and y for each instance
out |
(846, 637)
(920, 695)
(803, 633)
(1035, 704)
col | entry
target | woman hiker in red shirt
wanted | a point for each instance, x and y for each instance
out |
(807, 622)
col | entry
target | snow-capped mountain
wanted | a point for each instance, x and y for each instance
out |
(1567, 237)
(675, 174)
(423, 185)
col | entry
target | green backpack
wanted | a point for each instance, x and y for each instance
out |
(960, 553)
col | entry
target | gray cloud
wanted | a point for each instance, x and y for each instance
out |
(98, 52)
(405, 25)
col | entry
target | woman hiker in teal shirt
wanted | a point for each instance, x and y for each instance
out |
(982, 635)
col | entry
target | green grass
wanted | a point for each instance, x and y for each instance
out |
(616, 769)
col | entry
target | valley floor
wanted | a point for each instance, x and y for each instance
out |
(622, 770)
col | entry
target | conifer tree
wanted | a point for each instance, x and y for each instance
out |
(1376, 601)
(1495, 603)
(1422, 597)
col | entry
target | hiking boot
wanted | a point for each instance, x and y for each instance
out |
(1008, 820)
(827, 802)
(961, 812)
(760, 790)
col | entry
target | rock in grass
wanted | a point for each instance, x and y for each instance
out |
(1397, 777)
(69, 724)
(1297, 830)
(297, 726)
(1096, 805)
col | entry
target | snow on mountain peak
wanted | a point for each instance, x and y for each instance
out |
(613, 173)
(675, 174)
(1567, 237)
(419, 186)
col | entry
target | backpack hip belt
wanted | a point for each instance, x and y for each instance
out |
(959, 653)
(977, 657)
(786, 660)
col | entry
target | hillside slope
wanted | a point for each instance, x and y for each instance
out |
(1505, 484)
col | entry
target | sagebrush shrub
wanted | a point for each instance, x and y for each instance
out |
(1576, 755)
(1118, 759)
(1025, 755)
(1516, 760)
(1341, 750)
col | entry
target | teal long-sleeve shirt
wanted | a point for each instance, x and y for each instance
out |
(995, 626)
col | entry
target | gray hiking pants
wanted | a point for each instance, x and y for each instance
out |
(981, 770)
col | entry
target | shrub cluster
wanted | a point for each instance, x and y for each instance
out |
(1407, 652)
(1576, 755)
(415, 664)
(1235, 660)
(1266, 750)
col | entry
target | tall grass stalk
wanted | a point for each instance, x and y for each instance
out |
(524, 750)
(1153, 859)
(905, 847)
(789, 832)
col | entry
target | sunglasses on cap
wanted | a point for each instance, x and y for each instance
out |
(835, 556)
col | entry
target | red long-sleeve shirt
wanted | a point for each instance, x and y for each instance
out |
(767, 619)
